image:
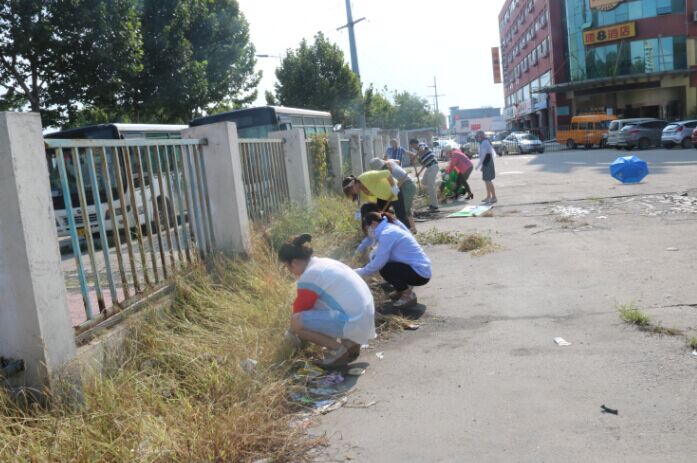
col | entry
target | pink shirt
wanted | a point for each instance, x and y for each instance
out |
(458, 161)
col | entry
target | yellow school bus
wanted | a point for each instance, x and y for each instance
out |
(586, 130)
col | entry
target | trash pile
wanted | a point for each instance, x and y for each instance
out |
(318, 391)
(571, 211)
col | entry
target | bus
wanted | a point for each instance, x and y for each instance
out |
(106, 132)
(258, 122)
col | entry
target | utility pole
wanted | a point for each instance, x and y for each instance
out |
(435, 97)
(354, 53)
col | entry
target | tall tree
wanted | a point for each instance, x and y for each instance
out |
(198, 56)
(58, 54)
(379, 110)
(316, 76)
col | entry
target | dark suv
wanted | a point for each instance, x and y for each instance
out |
(642, 135)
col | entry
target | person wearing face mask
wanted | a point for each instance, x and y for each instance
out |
(333, 307)
(399, 258)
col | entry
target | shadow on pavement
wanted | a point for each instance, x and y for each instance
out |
(568, 161)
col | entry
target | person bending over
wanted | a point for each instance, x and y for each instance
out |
(398, 257)
(333, 308)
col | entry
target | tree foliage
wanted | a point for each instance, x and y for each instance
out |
(316, 76)
(401, 110)
(58, 54)
(86, 61)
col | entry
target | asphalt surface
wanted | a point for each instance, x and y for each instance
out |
(483, 381)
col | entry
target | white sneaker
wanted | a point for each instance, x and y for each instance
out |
(407, 300)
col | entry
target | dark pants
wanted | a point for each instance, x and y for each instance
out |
(462, 182)
(401, 276)
(399, 210)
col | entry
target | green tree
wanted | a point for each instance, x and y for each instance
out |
(198, 57)
(316, 76)
(412, 112)
(57, 55)
(379, 110)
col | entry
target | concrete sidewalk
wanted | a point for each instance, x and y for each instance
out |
(483, 381)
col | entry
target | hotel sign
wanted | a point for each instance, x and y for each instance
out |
(609, 34)
(605, 5)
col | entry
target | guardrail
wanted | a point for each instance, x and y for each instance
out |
(143, 203)
(264, 176)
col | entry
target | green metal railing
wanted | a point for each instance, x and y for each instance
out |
(143, 203)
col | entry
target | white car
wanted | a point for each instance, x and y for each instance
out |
(522, 143)
(678, 134)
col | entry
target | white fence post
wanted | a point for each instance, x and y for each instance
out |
(226, 191)
(356, 155)
(335, 161)
(35, 321)
(297, 168)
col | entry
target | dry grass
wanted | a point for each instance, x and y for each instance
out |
(692, 343)
(435, 237)
(477, 244)
(178, 393)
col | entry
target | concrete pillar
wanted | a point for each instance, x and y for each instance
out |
(225, 186)
(297, 168)
(335, 161)
(35, 321)
(368, 146)
(356, 155)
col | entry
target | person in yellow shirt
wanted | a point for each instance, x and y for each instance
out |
(374, 186)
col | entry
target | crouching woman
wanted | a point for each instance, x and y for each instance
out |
(399, 258)
(334, 306)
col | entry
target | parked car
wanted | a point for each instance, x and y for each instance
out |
(642, 135)
(521, 143)
(497, 141)
(586, 130)
(678, 133)
(613, 133)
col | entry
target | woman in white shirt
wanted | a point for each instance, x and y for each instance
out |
(398, 257)
(333, 307)
(486, 164)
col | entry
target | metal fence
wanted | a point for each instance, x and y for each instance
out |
(264, 176)
(136, 210)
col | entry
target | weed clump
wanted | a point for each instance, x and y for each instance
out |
(630, 314)
(474, 242)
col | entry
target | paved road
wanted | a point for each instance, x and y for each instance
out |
(483, 381)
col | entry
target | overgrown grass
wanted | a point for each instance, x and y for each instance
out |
(473, 242)
(630, 314)
(178, 392)
(331, 221)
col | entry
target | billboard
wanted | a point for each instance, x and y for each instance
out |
(609, 33)
(496, 63)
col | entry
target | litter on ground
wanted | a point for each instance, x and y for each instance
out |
(611, 411)
(356, 372)
(672, 249)
(471, 211)
(561, 342)
(325, 406)
(380, 355)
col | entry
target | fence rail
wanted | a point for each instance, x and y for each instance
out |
(143, 203)
(264, 176)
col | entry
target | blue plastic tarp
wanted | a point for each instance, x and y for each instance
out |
(629, 169)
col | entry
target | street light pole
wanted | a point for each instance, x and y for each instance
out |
(435, 97)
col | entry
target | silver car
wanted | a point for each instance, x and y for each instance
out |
(613, 133)
(678, 133)
(642, 135)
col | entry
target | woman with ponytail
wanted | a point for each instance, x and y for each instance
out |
(333, 307)
(399, 258)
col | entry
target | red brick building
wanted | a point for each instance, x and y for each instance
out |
(532, 57)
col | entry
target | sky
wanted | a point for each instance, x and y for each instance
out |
(399, 45)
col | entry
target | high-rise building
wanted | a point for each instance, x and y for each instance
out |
(532, 56)
(634, 58)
